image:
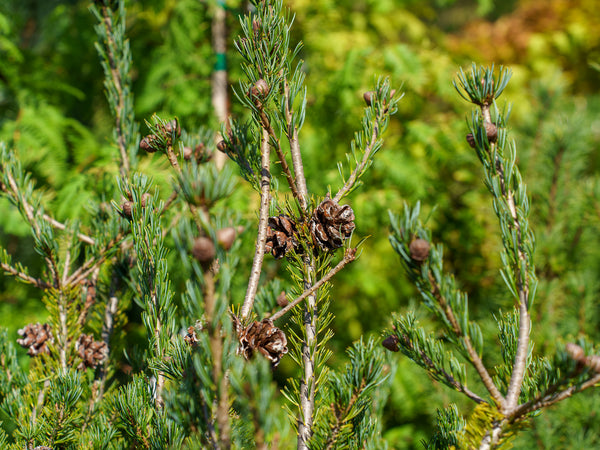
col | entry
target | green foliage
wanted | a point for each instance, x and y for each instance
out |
(63, 148)
(351, 422)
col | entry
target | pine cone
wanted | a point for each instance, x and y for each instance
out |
(281, 236)
(149, 143)
(204, 250)
(265, 338)
(490, 129)
(226, 237)
(35, 337)
(331, 224)
(419, 250)
(391, 343)
(91, 352)
(127, 210)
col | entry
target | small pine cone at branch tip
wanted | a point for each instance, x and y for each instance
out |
(262, 337)
(35, 337)
(92, 353)
(281, 236)
(419, 249)
(331, 224)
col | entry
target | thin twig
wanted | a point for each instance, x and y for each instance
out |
(67, 266)
(29, 210)
(284, 165)
(265, 200)
(448, 377)
(94, 262)
(63, 332)
(473, 355)
(170, 200)
(309, 349)
(295, 152)
(360, 167)
(520, 363)
(61, 226)
(37, 282)
(546, 399)
(90, 297)
(349, 256)
(220, 378)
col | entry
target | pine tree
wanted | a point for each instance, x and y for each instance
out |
(522, 383)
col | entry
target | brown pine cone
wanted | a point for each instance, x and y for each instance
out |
(149, 143)
(204, 249)
(172, 126)
(226, 237)
(419, 249)
(281, 236)
(35, 338)
(391, 343)
(91, 352)
(265, 338)
(331, 224)
(127, 210)
(490, 129)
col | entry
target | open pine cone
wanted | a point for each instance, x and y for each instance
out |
(281, 236)
(265, 338)
(35, 338)
(91, 352)
(331, 224)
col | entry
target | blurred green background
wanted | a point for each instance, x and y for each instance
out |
(54, 113)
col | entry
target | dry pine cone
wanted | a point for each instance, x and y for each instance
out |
(35, 338)
(281, 236)
(265, 338)
(91, 352)
(331, 224)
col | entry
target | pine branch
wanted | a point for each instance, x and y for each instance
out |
(360, 167)
(220, 378)
(468, 345)
(265, 201)
(90, 265)
(61, 226)
(292, 132)
(520, 363)
(349, 256)
(380, 105)
(116, 60)
(282, 160)
(439, 370)
(309, 349)
(37, 282)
